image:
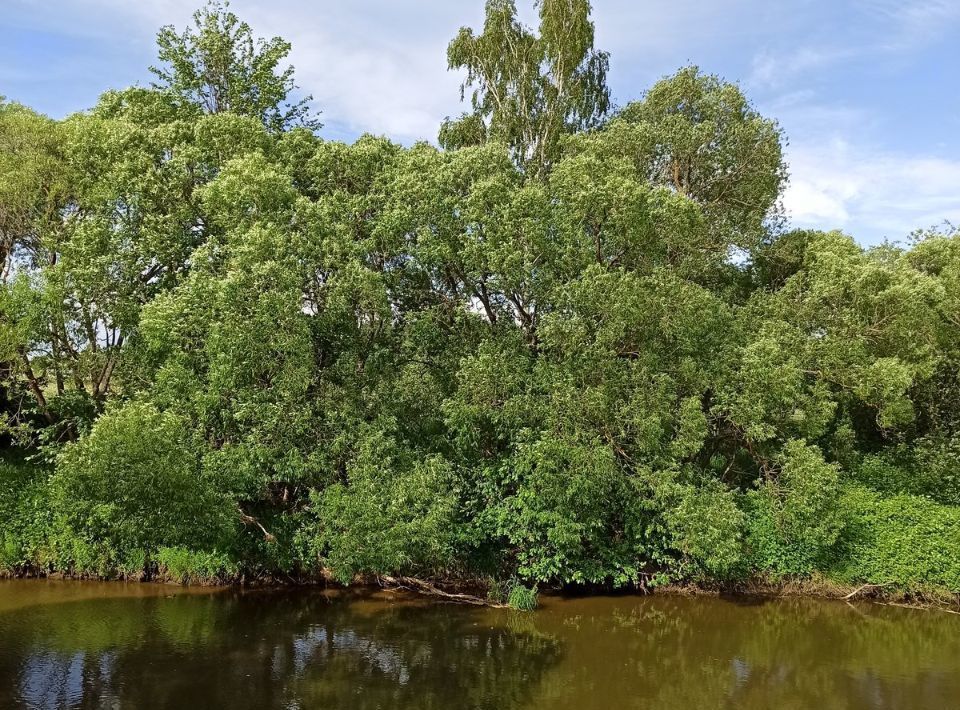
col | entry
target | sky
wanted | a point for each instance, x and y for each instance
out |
(866, 91)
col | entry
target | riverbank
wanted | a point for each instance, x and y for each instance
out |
(825, 588)
(478, 592)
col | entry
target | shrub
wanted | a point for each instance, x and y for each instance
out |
(795, 519)
(24, 515)
(928, 467)
(388, 519)
(134, 485)
(905, 541)
(179, 564)
(704, 525)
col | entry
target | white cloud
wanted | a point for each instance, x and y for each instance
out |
(776, 70)
(842, 176)
(403, 92)
(874, 194)
(372, 65)
(380, 65)
(876, 28)
(811, 203)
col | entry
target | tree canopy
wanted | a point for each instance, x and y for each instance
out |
(218, 66)
(528, 90)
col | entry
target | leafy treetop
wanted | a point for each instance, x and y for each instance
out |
(218, 65)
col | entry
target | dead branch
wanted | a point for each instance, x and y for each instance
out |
(250, 520)
(859, 589)
(423, 587)
(922, 607)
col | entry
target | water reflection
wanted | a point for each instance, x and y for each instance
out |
(263, 650)
(305, 650)
(683, 653)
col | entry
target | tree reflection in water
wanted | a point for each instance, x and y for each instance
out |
(262, 650)
(304, 649)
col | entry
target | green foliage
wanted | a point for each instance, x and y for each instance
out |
(568, 512)
(929, 467)
(561, 350)
(135, 484)
(513, 593)
(218, 66)
(186, 566)
(701, 136)
(25, 515)
(903, 540)
(795, 516)
(522, 598)
(705, 525)
(530, 90)
(391, 515)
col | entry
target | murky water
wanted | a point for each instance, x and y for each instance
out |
(69, 644)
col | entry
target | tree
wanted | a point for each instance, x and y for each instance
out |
(35, 189)
(33, 181)
(529, 90)
(700, 136)
(219, 66)
(529, 356)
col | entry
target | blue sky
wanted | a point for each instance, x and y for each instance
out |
(868, 91)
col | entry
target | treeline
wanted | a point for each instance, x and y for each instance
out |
(576, 344)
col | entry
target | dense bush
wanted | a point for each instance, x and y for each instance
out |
(388, 516)
(795, 515)
(25, 515)
(178, 564)
(132, 486)
(905, 541)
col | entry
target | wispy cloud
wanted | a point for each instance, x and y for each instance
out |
(842, 173)
(875, 29)
(883, 194)
(912, 21)
(372, 65)
(776, 70)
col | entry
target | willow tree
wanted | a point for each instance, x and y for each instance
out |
(528, 90)
(33, 189)
(99, 213)
(218, 65)
(701, 137)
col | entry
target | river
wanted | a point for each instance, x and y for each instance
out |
(113, 645)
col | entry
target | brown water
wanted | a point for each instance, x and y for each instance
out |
(71, 644)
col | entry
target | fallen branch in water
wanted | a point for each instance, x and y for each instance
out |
(919, 606)
(423, 587)
(923, 607)
(859, 589)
